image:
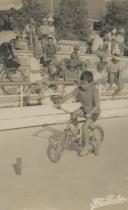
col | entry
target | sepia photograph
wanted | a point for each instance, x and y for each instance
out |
(63, 104)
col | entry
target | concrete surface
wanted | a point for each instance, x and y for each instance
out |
(70, 184)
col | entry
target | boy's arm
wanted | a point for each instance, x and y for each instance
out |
(70, 95)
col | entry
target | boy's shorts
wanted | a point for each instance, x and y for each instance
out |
(81, 113)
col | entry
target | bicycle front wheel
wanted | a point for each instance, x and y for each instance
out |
(98, 136)
(56, 148)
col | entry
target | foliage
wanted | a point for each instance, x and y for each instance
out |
(19, 18)
(117, 14)
(71, 19)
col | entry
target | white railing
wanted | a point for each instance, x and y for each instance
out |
(21, 86)
(22, 93)
(11, 84)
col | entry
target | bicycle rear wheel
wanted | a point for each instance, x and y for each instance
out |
(11, 76)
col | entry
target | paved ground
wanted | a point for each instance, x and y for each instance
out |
(70, 184)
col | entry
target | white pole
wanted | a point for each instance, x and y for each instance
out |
(21, 95)
(52, 8)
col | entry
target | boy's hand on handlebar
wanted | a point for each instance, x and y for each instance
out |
(88, 115)
(57, 101)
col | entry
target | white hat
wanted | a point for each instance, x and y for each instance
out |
(121, 30)
(50, 19)
(114, 31)
(45, 20)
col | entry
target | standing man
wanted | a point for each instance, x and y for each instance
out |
(50, 50)
(120, 41)
(114, 69)
(46, 29)
(32, 36)
(50, 57)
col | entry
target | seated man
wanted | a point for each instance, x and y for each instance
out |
(90, 106)
(74, 62)
(98, 46)
(37, 87)
(6, 53)
(52, 69)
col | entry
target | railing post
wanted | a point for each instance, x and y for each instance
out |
(21, 95)
(99, 88)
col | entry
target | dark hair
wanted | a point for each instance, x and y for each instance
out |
(87, 76)
(50, 37)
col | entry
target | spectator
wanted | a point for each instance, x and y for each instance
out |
(74, 58)
(120, 41)
(50, 50)
(97, 43)
(9, 59)
(51, 29)
(37, 87)
(100, 76)
(32, 34)
(52, 69)
(98, 46)
(109, 43)
(113, 41)
(113, 33)
(6, 23)
(91, 36)
(46, 29)
(114, 68)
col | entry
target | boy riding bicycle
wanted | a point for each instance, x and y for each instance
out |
(88, 96)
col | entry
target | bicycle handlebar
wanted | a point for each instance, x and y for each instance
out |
(66, 111)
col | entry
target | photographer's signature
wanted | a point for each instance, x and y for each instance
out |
(107, 201)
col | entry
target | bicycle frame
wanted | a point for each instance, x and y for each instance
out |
(72, 139)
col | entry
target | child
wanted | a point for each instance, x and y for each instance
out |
(90, 107)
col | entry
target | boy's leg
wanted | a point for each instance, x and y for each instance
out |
(111, 78)
(74, 120)
(76, 114)
(85, 127)
(118, 82)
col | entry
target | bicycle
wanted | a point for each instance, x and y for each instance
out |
(71, 140)
(10, 75)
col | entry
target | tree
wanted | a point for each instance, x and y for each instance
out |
(117, 14)
(22, 16)
(71, 19)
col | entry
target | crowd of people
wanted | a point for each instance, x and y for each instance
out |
(112, 42)
(103, 44)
